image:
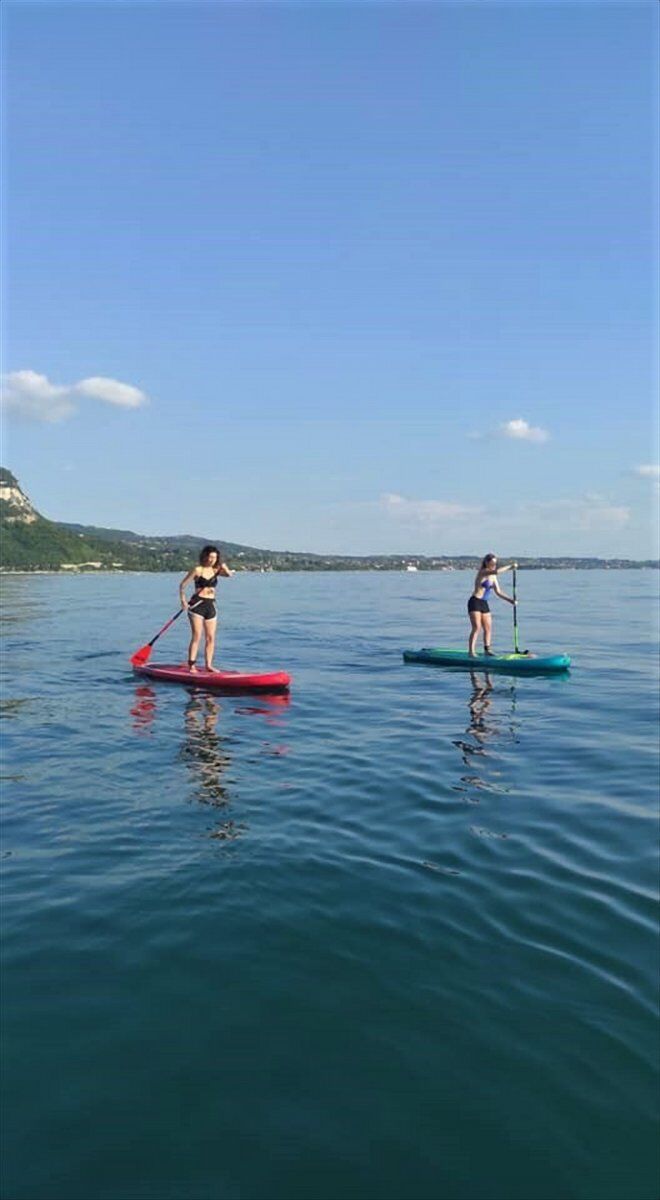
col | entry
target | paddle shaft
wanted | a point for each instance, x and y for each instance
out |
(515, 615)
(143, 655)
(165, 627)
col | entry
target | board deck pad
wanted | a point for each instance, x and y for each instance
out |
(522, 664)
(234, 681)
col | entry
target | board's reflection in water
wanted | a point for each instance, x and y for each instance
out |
(204, 750)
(143, 710)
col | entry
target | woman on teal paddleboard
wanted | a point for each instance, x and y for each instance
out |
(485, 583)
(202, 612)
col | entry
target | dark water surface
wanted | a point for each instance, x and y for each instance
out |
(394, 939)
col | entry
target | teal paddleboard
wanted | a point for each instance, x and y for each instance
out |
(520, 664)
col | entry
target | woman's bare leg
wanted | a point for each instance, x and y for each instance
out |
(475, 622)
(209, 644)
(487, 626)
(196, 626)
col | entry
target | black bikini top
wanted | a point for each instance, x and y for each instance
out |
(200, 582)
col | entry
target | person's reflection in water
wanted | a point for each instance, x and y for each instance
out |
(204, 750)
(478, 704)
(478, 754)
(207, 755)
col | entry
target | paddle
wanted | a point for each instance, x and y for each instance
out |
(516, 647)
(143, 655)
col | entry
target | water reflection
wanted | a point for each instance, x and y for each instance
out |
(205, 751)
(144, 709)
(13, 708)
(489, 724)
(20, 606)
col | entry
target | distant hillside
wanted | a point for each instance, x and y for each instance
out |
(177, 541)
(30, 542)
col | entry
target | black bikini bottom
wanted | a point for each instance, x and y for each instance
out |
(202, 608)
(477, 605)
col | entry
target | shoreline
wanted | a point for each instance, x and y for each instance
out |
(603, 565)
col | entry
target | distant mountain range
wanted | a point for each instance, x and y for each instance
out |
(30, 542)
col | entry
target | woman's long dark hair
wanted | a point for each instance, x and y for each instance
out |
(206, 552)
(485, 560)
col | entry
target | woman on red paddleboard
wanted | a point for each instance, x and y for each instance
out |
(485, 583)
(201, 608)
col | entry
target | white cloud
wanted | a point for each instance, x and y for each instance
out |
(517, 429)
(426, 512)
(111, 392)
(578, 524)
(522, 431)
(34, 397)
(648, 471)
(587, 514)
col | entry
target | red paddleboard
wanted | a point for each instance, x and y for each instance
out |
(227, 681)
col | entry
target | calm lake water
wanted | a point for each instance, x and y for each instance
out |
(395, 939)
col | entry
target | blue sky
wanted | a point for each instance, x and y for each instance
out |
(339, 277)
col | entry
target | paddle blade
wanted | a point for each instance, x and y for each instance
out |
(141, 656)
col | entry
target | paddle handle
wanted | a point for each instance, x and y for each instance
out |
(515, 615)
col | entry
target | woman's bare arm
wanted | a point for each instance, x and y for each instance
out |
(184, 583)
(502, 595)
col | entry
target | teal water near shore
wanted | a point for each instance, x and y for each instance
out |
(395, 937)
